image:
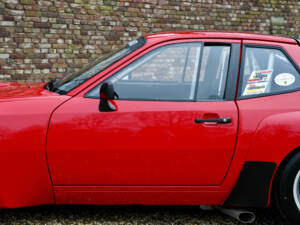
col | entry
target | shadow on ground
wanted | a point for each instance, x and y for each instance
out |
(60, 215)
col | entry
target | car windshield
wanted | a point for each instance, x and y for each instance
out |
(68, 83)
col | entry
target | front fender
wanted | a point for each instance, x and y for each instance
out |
(25, 180)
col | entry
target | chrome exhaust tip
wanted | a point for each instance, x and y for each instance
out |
(241, 215)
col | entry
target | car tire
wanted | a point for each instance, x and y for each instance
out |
(287, 190)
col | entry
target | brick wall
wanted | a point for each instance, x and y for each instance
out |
(43, 39)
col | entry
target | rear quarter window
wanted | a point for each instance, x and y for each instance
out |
(267, 71)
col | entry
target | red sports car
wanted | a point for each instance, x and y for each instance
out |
(187, 118)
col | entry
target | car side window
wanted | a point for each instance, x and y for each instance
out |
(213, 72)
(267, 71)
(172, 73)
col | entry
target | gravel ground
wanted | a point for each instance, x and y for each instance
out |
(109, 215)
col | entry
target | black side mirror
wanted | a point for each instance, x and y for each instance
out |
(106, 94)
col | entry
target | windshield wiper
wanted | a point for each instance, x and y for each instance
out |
(59, 88)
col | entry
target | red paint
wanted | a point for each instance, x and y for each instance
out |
(218, 35)
(142, 195)
(17, 90)
(146, 152)
(143, 143)
(25, 178)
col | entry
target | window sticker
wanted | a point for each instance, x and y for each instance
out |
(284, 79)
(258, 82)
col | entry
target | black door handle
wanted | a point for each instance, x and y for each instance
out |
(218, 120)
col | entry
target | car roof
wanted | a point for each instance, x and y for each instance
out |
(217, 35)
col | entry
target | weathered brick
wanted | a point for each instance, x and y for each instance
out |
(43, 66)
(45, 71)
(2, 62)
(41, 25)
(33, 13)
(48, 38)
(35, 56)
(50, 14)
(7, 23)
(45, 46)
(27, 2)
(17, 56)
(4, 56)
(3, 32)
(60, 46)
(50, 56)
(5, 76)
(8, 18)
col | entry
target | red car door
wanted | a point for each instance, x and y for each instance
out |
(175, 122)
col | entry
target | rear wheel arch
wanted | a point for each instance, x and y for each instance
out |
(256, 181)
(282, 189)
(281, 166)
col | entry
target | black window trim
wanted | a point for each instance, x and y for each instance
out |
(233, 72)
(240, 82)
(231, 78)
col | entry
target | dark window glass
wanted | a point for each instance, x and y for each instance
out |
(213, 72)
(171, 72)
(166, 73)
